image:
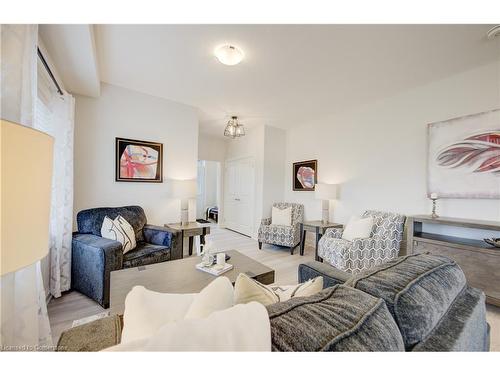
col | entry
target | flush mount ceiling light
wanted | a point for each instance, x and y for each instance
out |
(234, 129)
(229, 54)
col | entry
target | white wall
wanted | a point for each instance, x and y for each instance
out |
(377, 152)
(124, 113)
(211, 147)
(274, 173)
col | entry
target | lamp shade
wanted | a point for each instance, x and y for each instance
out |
(183, 189)
(325, 191)
(26, 184)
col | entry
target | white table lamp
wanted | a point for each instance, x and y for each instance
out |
(184, 190)
(326, 192)
(26, 184)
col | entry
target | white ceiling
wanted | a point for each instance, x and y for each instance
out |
(72, 49)
(290, 72)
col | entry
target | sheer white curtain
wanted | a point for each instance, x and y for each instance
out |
(55, 116)
(24, 321)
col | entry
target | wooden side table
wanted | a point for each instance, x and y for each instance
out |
(191, 229)
(319, 229)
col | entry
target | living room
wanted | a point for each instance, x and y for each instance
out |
(251, 186)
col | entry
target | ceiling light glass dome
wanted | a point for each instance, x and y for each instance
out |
(229, 54)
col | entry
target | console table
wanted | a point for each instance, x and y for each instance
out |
(479, 261)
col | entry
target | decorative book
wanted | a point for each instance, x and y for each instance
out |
(214, 269)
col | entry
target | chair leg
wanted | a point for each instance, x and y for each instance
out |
(291, 250)
(260, 245)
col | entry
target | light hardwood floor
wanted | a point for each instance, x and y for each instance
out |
(73, 305)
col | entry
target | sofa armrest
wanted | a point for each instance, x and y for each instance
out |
(334, 232)
(157, 235)
(164, 236)
(93, 259)
(331, 275)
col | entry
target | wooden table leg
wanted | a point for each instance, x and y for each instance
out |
(191, 245)
(319, 238)
(302, 239)
(202, 236)
(316, 257)
(182, 245)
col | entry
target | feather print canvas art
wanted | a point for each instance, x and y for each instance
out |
(464, 156)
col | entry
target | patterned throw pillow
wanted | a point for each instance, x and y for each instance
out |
(247, 290)
(117, 230)
(128, 231)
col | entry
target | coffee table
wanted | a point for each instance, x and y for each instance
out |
(180, 276)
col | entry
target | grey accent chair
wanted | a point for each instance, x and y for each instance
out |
(281, 235)
(94, 257)
(364, 253)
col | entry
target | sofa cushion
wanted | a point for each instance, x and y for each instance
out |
(339, 318)
(418, 290)
(462, 329)
(144, 254)
(90, 221)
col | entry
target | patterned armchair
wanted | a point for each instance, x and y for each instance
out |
(364, 253)
(279, 234)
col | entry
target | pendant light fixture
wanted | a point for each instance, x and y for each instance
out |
(234, 129)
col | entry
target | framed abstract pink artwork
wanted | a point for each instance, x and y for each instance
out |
(138, 161)
(464, 156)
(305, 175)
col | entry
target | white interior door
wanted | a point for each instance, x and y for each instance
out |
(239, 195)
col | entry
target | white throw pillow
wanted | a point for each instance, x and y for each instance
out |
(112, 231)
(247, 289)
(358, 228)
(127, 229)
(281, 217)
(147, 311)
(239, 328)
(216, 296)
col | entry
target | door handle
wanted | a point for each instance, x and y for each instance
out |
(237, 199)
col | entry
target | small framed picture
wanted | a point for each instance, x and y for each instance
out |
(305, 175)
(138, 161)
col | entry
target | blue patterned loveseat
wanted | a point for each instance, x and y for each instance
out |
(94, 257)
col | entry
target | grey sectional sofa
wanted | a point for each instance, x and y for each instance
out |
(413, 303)
(427, 306)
